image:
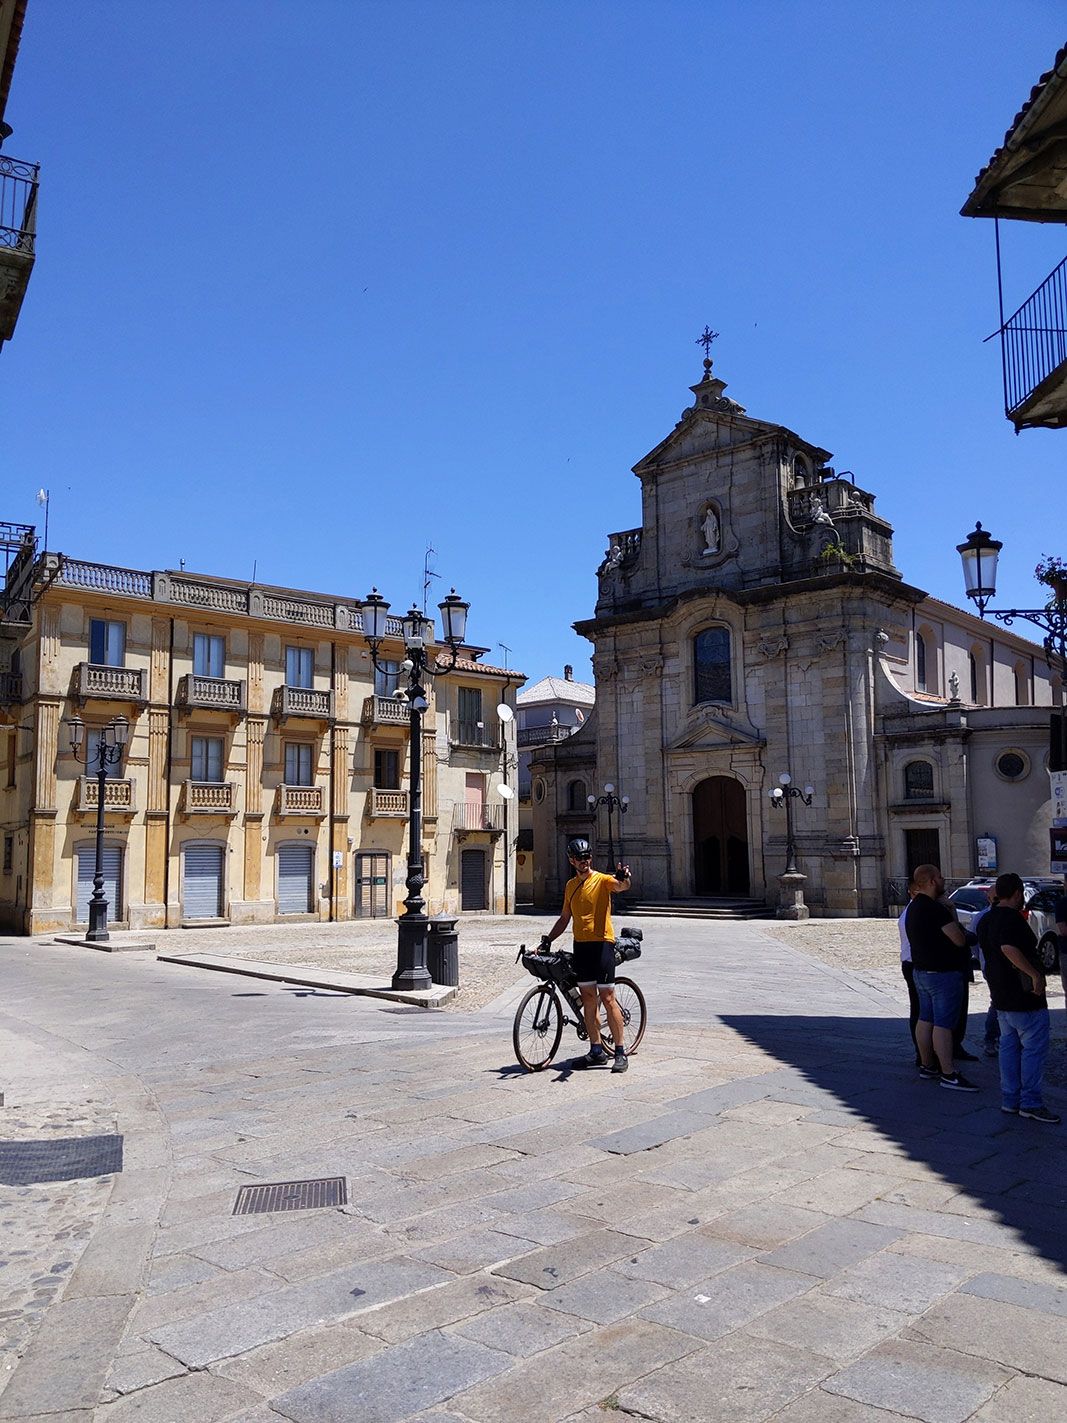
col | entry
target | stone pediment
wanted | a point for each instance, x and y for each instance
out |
(710, 732)
(703, 434)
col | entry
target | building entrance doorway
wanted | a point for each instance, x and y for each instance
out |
(720, 838)
(921, 847)
(373, 879)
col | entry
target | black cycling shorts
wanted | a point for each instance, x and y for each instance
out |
(595, 963)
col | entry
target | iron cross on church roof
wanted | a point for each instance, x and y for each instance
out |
(705, 339)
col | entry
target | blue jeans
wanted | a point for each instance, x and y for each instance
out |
(992, 1027)
(1023, 1051)
(940, 997)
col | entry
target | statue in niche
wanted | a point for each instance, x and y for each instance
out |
(954, 687)
(711, 530)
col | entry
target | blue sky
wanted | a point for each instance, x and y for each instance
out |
(322, 283)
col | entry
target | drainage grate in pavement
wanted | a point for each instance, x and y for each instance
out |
(26, 1163)
(291, 1196)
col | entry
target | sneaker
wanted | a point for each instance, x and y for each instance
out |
(929, 1074)
(595, 1057)
(958, 1083)
(991, 1049)
(621, 1063)
(962, 1055)
(1040, 1114)
(1011, 1111)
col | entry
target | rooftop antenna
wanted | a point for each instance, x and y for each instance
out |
(181, 564)
(507, 653)
(42, 498)
(428, 575)
(255, 565)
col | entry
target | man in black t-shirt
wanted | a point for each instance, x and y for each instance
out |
(1017, 988)
(940, 958)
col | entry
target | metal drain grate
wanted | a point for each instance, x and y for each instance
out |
(291, 1196)
(69, 1158)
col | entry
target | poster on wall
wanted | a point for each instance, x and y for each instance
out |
(1058, 850)
(987, 853)
(1058, 789)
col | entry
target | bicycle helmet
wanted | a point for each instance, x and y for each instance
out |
(578, 846)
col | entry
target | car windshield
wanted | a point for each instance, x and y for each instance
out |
(969, 899)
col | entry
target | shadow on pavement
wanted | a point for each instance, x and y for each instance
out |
(861, 1070)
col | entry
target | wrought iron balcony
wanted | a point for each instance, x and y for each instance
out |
(479, 817)
(303, 702)
(474, 734)
(118, 796)
(212, 693)
(389, 805)
(543, 735)
(1033, 344)
(111, 684)
(385, 711)
(18, 230)
(210, 798)
(301, 800)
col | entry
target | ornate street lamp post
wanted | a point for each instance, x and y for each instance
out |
(979, 553)
(614, 804)
(109, 749)
(792, 904)
(413, 924)
(507, 763)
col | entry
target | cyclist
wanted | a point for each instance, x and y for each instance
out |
(587, 900)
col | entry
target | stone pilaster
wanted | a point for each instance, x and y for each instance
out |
(255, 672)
(255, 726)
(158, 678)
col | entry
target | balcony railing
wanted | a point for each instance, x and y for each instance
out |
(210, 798)
(303, 701)
(301, 800)
(10, 688)
(111, 684)
(118, 795)
(475, 734)
(211, 693)
(479, 817)
(1033, 345)
(385, 711)
(388, 804)
(543, 735)
(18, 228)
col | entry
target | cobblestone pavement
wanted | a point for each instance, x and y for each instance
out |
(767, 1217)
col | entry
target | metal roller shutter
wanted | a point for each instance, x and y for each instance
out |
(472, 880)
(202, 882)
(294, 879)
(112, 866)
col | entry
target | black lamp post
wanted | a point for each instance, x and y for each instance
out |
(507, 763)
(979, 553)
(413, 924)
(613, 804)
(784, 794)
(109, 751)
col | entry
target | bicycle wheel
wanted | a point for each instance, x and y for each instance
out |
(631, 1003)
(538, 1028)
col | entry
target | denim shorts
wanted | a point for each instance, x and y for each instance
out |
(940, 996)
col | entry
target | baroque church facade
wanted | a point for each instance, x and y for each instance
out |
(755, 624)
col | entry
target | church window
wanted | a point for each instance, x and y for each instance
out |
(711, 666)
(1022, 685)
(918, 781)
(920, 662)
(576, 796)
(972, 663)
(800, 470)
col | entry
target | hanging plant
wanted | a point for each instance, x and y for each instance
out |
(1052, 572)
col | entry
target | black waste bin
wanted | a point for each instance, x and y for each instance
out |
(442, 951)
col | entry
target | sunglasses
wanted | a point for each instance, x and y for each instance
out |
(579, 858)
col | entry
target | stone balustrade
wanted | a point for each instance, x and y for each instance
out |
(210, 798)
(212, 693)
(301, 800)
(303, 702)
(118, 796)
(111, 684)
(385, 711)
(388, 804)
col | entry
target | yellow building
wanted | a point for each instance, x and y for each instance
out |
(265, 773)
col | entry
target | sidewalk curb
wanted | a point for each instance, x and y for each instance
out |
(359, 984)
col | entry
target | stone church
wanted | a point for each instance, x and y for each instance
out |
(755, 625)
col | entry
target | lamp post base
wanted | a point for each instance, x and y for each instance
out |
(97, 931)
(411, 971)
(791, 903)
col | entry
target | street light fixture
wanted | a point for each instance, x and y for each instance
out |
(109, 749)
(416, 630)
(979, 553)
(506, 715)
(783, 795)
(613, 804)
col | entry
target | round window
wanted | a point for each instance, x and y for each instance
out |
(1012, 765)
(539, 790)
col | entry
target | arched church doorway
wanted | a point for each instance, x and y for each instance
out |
(720, 837)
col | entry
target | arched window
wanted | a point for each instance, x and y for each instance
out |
(1022, 685)
(800, 470)
(972, 663)
(576, 796)
(711, 666)
(920, 662)
(918, 781)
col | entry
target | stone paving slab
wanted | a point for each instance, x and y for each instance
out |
(711, 1308)
(1023, 1339)
(193, 1398)
(932, 1384)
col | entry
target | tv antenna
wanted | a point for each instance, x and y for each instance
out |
(428, 575)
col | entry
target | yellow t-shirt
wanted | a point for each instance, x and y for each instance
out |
(589, 901)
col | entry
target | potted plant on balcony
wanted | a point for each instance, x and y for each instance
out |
(1052, 572)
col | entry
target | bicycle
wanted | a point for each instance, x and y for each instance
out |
(541, 1015)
